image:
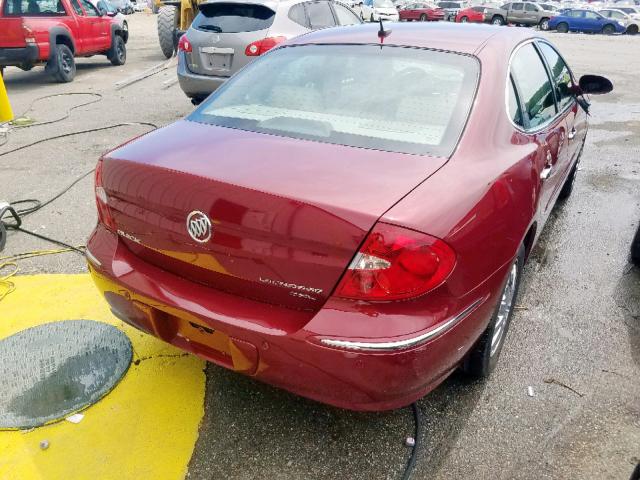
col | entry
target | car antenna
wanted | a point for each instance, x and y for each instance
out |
(382, 33)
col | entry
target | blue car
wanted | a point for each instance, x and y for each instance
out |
(578, 20)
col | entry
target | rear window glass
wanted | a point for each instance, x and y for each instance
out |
(233, 18)
(42, 8)
(395, 99)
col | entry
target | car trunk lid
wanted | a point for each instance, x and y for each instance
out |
(287, 215)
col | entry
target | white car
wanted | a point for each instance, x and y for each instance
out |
(632, 22)
(374, 10)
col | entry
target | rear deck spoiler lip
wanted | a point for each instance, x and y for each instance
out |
(269, 4)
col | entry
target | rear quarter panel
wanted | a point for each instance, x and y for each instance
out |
(484, 199)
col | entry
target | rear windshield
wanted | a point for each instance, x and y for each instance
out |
(41, 8)
(395, 99)
(233, 18)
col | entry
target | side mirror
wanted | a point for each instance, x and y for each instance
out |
(595, 84)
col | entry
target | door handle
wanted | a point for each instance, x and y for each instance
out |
(572, 133)
(548, 167)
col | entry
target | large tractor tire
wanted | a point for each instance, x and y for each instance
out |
(167, 24)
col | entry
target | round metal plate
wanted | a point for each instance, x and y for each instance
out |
(52, 370)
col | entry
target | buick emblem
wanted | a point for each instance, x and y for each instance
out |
(199, 226)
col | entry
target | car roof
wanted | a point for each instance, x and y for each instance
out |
(454, 37)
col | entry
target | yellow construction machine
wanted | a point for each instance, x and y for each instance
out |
(174, 17)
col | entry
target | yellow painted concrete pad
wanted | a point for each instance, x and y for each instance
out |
(146, 428)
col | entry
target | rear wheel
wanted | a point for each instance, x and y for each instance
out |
(484, 354)
(497, 20)
(632, 30)
(63, 65)
(544, 24)
(563, 27)
(118, 52)
(608, 29)
(167, 24)
(371, 19)
(423, 18)
(464, 20)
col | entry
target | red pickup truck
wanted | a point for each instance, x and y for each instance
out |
(54, 32)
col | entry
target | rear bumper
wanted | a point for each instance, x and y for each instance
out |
(230, 332)
(195, 85)
(22, 56)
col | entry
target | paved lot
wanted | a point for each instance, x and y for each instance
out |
(578, 325)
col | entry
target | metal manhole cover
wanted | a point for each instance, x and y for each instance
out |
(52, 370)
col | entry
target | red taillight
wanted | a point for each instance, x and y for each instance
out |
(396, 263)
(261, 46)
(184, 45)
(102, 201)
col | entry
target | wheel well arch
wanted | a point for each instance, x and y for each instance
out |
(529, 239)
(119, 31)
(61, 36)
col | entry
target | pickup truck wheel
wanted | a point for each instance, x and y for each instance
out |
(497, 20)
(167, 24)
(483, 356)
(563, 27)
(544, 24)
(64, 65)
(118, 52)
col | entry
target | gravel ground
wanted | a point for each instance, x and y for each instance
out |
(575, 339)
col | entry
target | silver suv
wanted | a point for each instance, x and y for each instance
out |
(226, 35)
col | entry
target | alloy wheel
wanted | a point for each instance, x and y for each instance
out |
(504, 310)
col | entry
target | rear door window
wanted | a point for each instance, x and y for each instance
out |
(298, 15)
(320, 15)
(517, 6)
(76, 7)
(345, 16)
(36, 8)
(534, 85)
(514, 106)
(530, 8)
(233, 17)
(560, 73)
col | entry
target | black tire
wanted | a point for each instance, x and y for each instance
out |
(167, 25)
(118, 53)
(563, 27)
(371, 18)
(635, 248)
(63, 65)
(497, 20)
(423, 18)
(608, 29)
(464, 19)
(482, 358)
(632, 30)
(544, 24)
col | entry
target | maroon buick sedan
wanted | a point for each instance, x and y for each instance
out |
(347, 218)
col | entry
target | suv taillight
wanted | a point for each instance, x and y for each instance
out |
(396, 263)
(102, 201)
(261, 46)
(184, 45)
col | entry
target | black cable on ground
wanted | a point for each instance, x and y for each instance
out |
(48, 239)
(37, 204)
(417, 434)
(80, 132)
(98, 98)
